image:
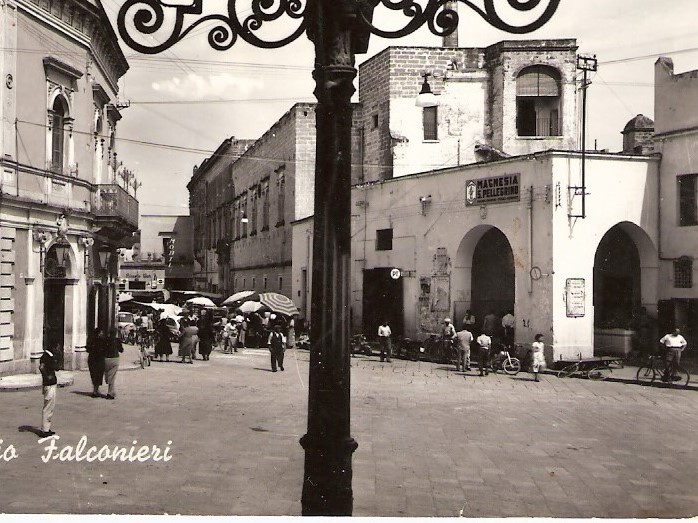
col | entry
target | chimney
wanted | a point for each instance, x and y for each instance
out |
(452, 39)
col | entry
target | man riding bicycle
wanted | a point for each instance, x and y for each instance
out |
(674, 344)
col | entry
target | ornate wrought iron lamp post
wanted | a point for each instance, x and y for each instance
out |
(339, 29)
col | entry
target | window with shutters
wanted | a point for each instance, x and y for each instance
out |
(683, 273)
(538, 101)
(429, 117)
(59, 113)
(688, 199)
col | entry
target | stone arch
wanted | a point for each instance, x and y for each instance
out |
(465, 265)
(626, 267)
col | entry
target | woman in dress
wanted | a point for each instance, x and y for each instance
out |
(96, 349)
(187, 341)
(206, 335)
(538, 348)
(163, 346)
(291, 334)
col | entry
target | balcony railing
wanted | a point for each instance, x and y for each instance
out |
(113, 201)
(65, 169)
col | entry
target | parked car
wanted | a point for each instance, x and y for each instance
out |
(127, 327)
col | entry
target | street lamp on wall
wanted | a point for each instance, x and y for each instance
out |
(104, 254)
(426, 98)
(61, 247)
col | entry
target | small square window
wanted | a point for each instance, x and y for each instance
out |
(683, 273)
(375, 121)
(384, 239)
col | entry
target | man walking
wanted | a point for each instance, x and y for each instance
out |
(384, 334)
(463, 340)
(277, 343)
(48, 365)
(674, 344)
(448, 338)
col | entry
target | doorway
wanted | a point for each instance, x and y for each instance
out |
(382, 300)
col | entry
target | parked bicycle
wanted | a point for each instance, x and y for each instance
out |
(505, 362)
(655, 369)
(145, 343)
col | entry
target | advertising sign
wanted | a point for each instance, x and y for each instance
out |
(575, 296)
(496, 189)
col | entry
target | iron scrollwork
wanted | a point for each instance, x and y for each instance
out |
(148, 17)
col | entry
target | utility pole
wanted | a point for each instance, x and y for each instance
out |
(584, 64)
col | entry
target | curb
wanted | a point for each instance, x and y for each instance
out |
(19, 382)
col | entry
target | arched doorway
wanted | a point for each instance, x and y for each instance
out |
(617, 292)
(57, 267)
(483, 275)
(624, 288)
(493, 284)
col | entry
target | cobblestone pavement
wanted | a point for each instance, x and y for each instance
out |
(432, 442)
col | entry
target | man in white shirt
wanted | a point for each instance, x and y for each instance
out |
(674, 344)
(508, 324)
(484, 342)
(384, 334)
(463, 340)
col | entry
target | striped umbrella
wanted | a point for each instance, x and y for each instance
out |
(278, 303)
(249, 307)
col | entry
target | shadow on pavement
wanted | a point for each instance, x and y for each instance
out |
(34, 430)
(260, 368)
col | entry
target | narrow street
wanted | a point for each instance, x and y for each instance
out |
(432, 442)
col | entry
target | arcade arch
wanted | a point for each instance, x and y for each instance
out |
(625, 277)
(483, 274)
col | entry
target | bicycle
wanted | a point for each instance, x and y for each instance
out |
(592, 368)
(655, 368)
(145, 342)
(503, 361)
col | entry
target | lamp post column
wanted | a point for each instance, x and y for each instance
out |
(328, 444)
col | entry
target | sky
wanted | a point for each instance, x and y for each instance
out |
(185, 101)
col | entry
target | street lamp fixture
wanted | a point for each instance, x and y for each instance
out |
(104, 253)
(426, 98)
(339, 30)
(61, 247)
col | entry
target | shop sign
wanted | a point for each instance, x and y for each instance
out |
(496, 189)
(575, 297)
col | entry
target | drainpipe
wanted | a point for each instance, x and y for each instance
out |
(530, 238)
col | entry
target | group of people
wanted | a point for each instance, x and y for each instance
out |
(463, 339)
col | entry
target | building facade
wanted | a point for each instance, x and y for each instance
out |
(676, 139)
(512, 98)
(62, 212)
(162, 259)
(508, 236)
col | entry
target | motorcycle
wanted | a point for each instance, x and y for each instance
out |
(360, 345)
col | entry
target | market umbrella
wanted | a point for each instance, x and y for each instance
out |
(249, 307)
(278, 303)
(124, 296)
(238, 296)
(201, 301)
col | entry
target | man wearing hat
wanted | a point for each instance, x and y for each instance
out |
(448, 336)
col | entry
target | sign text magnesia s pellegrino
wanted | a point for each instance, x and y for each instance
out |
(495, 189)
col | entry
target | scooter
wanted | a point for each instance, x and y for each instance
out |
(359, 345)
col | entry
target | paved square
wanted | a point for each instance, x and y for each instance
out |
(432, 442)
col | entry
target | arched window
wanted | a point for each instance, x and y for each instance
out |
(538, 101)
(59, 114)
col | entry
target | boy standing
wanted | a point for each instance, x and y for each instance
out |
(48, 365)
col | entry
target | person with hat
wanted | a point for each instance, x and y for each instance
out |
(448, 337)
(48, 365)
(277, 343)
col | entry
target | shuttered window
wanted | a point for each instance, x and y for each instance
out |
(537, 81)
(430, 129)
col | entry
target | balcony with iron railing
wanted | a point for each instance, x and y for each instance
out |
(115, 208)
